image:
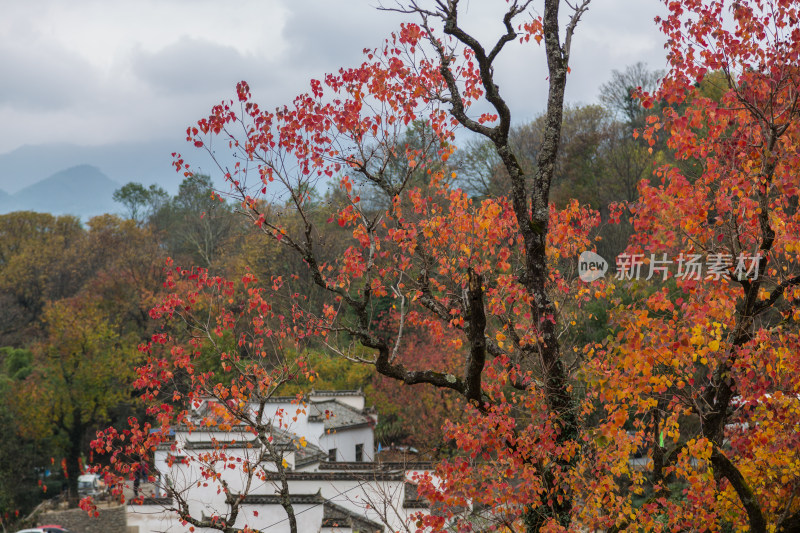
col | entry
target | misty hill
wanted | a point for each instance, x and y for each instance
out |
(81, 190)
(122, 162)
(143, 162)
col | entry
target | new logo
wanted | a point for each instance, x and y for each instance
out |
(591, 267)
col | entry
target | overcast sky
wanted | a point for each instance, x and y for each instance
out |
(94, 72)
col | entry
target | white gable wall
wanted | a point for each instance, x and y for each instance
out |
(273, 517)
(360, 492)
(345, 440)
(362, 495)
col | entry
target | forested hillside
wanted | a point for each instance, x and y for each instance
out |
(588, 321)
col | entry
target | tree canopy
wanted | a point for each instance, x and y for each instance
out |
(660, 395)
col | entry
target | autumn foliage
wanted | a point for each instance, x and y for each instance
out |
(710, 358)
(684, 417)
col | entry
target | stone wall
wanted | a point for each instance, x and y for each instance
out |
(110, 520)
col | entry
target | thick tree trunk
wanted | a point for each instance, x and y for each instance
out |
(73, 458)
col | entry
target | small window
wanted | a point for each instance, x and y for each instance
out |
(359, 453)
(332, 455)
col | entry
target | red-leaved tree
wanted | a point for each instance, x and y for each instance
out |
(684, 418)
(709, 360)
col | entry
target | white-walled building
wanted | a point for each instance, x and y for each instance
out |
(327, 452)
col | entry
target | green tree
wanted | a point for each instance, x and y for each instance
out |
(197, 225)
(127, 263)
(578, 170)
(39, 262)
(19, 457)
(139, 201)
(81, 371)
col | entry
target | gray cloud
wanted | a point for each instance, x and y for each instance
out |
(329, 35)
(192, 66)
(611, 35)
(54, 88)
(43, 79)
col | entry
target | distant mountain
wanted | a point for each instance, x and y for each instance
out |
(103, 169)
(146, 163)
(82, 190)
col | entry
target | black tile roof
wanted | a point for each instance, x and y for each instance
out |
(379, 465)
(283, 439)
(411, 497)
(351, 392)
(151, 500)
(337, 416)
(220, 444)
(336, 516)
(362, 475)
(332, 515)
(274, 499)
